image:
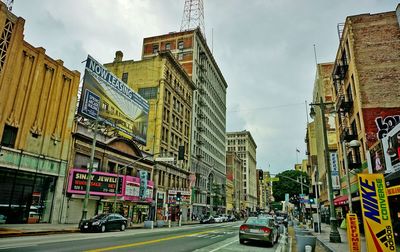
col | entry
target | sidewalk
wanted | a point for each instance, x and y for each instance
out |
(13, 230)
(325, 245)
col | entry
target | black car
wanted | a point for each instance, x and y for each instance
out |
(231, 218)
(104, 222)
(207, 219)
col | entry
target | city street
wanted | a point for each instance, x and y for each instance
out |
(208, 237)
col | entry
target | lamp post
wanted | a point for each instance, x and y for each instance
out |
(334, 235)
(353, 144)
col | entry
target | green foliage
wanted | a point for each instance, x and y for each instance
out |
(285, 185)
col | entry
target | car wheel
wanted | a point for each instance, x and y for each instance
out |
(103, 228)
(241, 241)
(122, 227)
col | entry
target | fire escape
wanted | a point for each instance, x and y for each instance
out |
(344, 107)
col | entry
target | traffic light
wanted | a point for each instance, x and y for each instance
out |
(260, 175)
(178, 196)
(181, 152)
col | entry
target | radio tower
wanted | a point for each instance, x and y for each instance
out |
(193, 16)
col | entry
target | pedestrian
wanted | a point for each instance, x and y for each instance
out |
(139, 219)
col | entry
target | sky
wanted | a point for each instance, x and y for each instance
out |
(264, 49)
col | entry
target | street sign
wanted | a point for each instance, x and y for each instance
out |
(272, 179)
(165, 159)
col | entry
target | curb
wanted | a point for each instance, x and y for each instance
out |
(325, 246)
(18, 233)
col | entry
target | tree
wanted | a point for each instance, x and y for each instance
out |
(285, 185)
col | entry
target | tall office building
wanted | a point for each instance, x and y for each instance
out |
(207, 148)
(244, 145)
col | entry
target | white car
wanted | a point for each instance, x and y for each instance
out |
(219, 219)
(225, 218)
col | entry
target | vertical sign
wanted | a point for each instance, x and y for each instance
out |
(353, 233)
(376, 214)
(334, 171)
(143, 184)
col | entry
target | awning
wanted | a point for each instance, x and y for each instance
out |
(341, 200)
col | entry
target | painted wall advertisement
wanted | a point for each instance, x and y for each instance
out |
(334, 170)
(353, 233)
(379, 122)
(391, 149)
(112, 102)
(376, 213)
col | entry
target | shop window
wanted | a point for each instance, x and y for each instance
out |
(9, 136)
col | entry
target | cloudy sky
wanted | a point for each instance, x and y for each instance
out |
(264, 49)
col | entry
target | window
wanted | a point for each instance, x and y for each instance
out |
(148, 93)
(180, 56)
(155, 48)
(125, 77)
(168, 46)
(180, 45)
(9, 136)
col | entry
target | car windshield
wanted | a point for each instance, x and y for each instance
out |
(257, 221)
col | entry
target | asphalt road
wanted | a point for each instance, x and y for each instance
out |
(199, 238)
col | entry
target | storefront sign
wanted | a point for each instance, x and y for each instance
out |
(132, 190)
(376, 214)
(353, 233)
(392, 191)
(101, 183)
(143, 184)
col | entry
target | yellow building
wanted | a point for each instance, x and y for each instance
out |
(38, 96)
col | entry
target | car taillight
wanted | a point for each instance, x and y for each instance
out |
(244, 228)
(265, 230)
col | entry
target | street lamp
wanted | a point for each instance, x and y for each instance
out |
(334, 235)
(352, 144)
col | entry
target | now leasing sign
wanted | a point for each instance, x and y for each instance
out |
(353, 233)
(375, 208)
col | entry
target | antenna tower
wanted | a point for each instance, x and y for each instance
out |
(193, 16)
(9, 4)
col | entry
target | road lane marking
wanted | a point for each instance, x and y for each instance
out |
(149, 242)
(223, 246)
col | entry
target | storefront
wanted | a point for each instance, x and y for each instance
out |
(26, 197)
(176, 207)
(127, 197)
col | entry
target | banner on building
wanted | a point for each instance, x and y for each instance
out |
(353, 233)
(108, 99)
(143, 184)
(376, 214)
(334, 170)
(376, 159)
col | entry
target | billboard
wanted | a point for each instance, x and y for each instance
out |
(376, 214)
(334, 170)
(391, 149)
(353, 233)
(111, 101)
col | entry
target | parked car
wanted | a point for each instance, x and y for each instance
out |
(219, 219)
(207, 219)
(104, 222)
(224, 218)
(261, 229)
(231, 218)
